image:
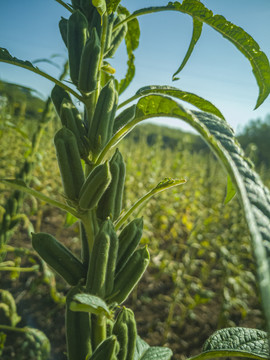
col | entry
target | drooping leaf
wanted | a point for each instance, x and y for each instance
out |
(89, 303)
(235, 34)
(132, 42)
(230, 191)
(6, 57)
(236, 341)
(255, 197)
(144, 352)
(196, 34)
(191, 98)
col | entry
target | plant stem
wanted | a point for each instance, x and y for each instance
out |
(12, 328)
(19, 269)
(22, 187)
(98, 329)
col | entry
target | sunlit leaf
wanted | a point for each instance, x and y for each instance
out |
(237, 342)
(188, 97)
(89, 303)
(70, 220)
(235, 34)
(196, 34)
(255, 197)
(100, 6)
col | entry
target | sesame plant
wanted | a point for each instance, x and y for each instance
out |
(92, 169)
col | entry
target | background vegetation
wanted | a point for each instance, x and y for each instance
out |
(201, 275)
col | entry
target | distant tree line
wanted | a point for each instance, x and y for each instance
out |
(21, 101)
(255, 140)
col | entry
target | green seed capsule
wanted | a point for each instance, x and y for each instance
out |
(77, 34)
(129, 275)
(71, 118)
(117, 37)
(69, 162)
(125, 330)
(89, 65)
(108, 350)
(94, 186)
(78, 331)
(58, 94)
(59, 257)
(100, 278)
(96, 276)
(63, 27)
(110, 205)
(100, 130)
(129, 239)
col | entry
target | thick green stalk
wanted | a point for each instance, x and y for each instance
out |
(98, 330)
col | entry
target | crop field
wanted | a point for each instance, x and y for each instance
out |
(201, 275)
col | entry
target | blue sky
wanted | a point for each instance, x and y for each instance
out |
(216, 70)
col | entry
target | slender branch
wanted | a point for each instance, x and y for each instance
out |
(124, 103)
(12, 328)
(145, 11)
(19, 269)
(22, 187)
(45, 75)
(168, 183)
(65, 5)
(119, 135)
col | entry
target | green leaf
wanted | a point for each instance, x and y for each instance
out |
(240, 342)
(191, 98)
(144, 352)
(132, 42)
(6, 57)
(255, 197)
(70, 220)
(100, 5)
(230, 191)
(196, 34)
(89, 303)
(235, 34)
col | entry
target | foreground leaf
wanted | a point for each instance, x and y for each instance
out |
(235, 34)
(144, 352)
(254, 196)
(89, 303)
(196, 34)
(240, 342)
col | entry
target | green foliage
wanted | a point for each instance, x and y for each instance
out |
(105, 276)
(254, 140)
